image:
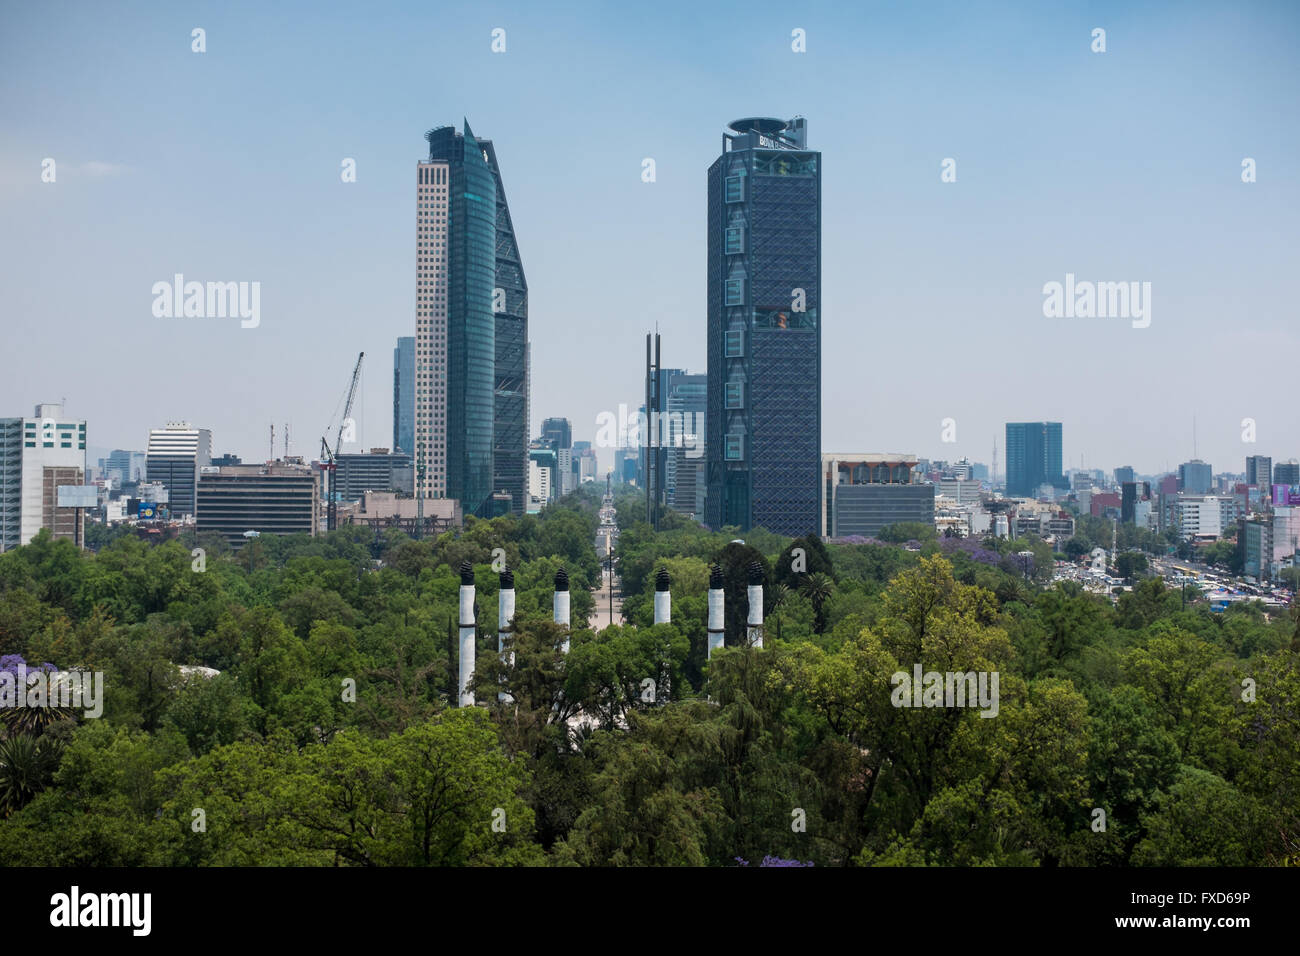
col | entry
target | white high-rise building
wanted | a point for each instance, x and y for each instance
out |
(175, 457)
(37, 456)
(432, 189)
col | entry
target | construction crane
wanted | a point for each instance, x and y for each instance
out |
(328, 455)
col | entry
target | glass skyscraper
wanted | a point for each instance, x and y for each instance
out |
(510, 399)
(763, 420)
(404, 395)
(456, 333)
(1034, 457)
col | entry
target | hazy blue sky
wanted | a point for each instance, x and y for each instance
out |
(1123, 165)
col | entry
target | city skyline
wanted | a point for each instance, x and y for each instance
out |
(954, 270)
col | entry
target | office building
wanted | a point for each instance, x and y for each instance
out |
(1259, 471)
(1034, 456)
(1195, 477)
(1286, 536)
(379, 470)
(1131, 492)
(1124, 474)
(404, 396)
(685, 400)
(11, 483)
(584, 462)
(1286, 473)
(269, 499)
(566, 477)
(510, 409)
(1255, 545)
(862, 493)
(455, 352)
(763, 422)
(557, 433)
(471, 330)
(1202, 516)
(963, 491)
(542, 471)
(124, 467)
(177, 453)
(38, 455)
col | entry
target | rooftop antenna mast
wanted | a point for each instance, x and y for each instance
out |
(272, 456)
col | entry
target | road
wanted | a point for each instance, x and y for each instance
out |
(607, 541)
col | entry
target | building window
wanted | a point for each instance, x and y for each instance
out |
(735, 343)
(735, 447)
(735, 189)
(736, 291)
(735, 240)
(735, 394)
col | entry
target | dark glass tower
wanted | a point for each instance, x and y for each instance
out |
(763, 420)
(1034, 457)
(510, 387)
(404, 395)
(471, 323)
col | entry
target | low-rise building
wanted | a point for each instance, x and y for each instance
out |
(862, 493)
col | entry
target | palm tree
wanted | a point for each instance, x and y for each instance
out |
(817, 588)
(26, 766)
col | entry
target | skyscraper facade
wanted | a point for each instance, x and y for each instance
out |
(175, 455)
(1286, 472)
(471, 389)
(1259, 471)
(510, 385)
(11, 483)
(557, 432)
(433, 208)
(1034, 457)
(1195, 477)
(404, 395)
(763, 444)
